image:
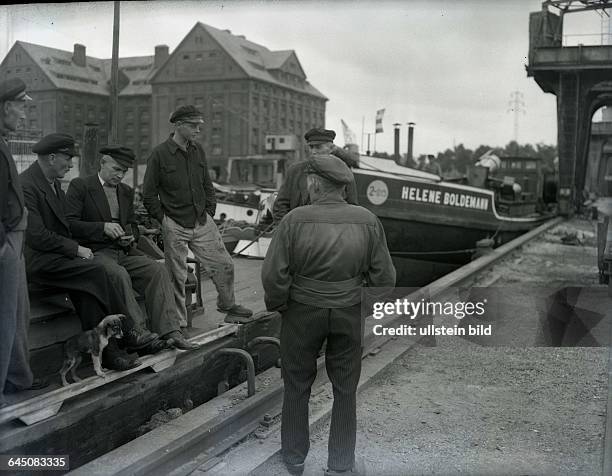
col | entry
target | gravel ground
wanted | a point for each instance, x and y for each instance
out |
(492, 406)
(458, 408)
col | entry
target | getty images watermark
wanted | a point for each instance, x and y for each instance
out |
(416, 308)
(516, 314)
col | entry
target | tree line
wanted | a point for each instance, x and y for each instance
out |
(456, 160)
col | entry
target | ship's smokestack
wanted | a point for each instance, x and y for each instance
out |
(409, 157)
(396, 152)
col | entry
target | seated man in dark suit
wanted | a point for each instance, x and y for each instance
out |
(54, 259)
(100, 210)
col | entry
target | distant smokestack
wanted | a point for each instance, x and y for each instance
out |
(162, 52)
(410, 142)
(78, 56)
(396, 152)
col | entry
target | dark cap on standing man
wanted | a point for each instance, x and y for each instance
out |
(319, 136)
(54, 143)
(187, 114)
(13, 90)
(124, 156)
(331, 168)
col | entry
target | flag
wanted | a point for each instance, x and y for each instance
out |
(379, 118)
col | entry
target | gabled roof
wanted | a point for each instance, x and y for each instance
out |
(94, 78)
(255, 60)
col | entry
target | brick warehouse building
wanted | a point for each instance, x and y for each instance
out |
(245, 90)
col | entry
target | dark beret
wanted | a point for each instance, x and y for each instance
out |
(54, 143)
(187, 113)
(123, 155)
(13, 90)
(319, 136)
(329, 167)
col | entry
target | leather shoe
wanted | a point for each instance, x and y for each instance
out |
(237, 310)
(37, 384)
(177, 339)
(137, 339)
(153, 347)
(294, 468)
(120, 363)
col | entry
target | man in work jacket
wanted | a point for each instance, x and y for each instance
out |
(318, 260)
(294, 192)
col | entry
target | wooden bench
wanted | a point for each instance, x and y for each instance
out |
(48, 404)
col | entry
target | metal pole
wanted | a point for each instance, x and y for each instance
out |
(89, 151)
(114, 100)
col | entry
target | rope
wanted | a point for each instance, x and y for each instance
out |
(236, 253)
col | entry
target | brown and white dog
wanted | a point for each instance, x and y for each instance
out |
(91, 342)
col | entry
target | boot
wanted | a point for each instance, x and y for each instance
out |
(114, 358)
(135, 339)
(177, 339)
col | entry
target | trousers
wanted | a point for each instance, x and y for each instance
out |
(14, 315)
(150, 279)
(207, 246)
(304, 328)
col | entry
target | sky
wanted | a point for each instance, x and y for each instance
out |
(451, 67)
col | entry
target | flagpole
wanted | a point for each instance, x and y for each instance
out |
(362, 128)
(114, 100)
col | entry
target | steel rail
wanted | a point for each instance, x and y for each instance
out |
(203, 434)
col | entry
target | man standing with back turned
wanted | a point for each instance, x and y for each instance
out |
(317, 263)
(179, 193)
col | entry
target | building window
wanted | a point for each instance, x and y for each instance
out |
(185, 57)
(216, 149)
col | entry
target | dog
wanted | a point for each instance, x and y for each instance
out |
(91, 342)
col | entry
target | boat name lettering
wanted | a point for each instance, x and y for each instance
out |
(427, 195)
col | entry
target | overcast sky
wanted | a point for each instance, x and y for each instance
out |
(448, 66)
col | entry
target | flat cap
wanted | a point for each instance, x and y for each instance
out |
(54, 143)
(13, 90)
(124, 156)
(319, 136)
(331, 168)
(187, 113)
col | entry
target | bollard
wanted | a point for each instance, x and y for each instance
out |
(265, 340)
(250, 366)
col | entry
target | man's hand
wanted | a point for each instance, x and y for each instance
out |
(126, 240)
(85, 253)
(113, 230)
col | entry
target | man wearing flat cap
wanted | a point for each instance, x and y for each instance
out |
(54, 258)
(319, 258)
(100, 210)
(179, 193)
(15, 373)
(293, 192)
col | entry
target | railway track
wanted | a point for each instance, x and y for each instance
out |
(195, 442)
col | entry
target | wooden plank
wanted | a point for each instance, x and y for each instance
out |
(33, 407)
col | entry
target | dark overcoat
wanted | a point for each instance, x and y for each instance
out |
(51, 252)
(87, 210)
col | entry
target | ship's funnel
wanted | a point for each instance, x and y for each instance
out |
(396, 152)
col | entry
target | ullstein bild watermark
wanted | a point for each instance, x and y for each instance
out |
(413, 309)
